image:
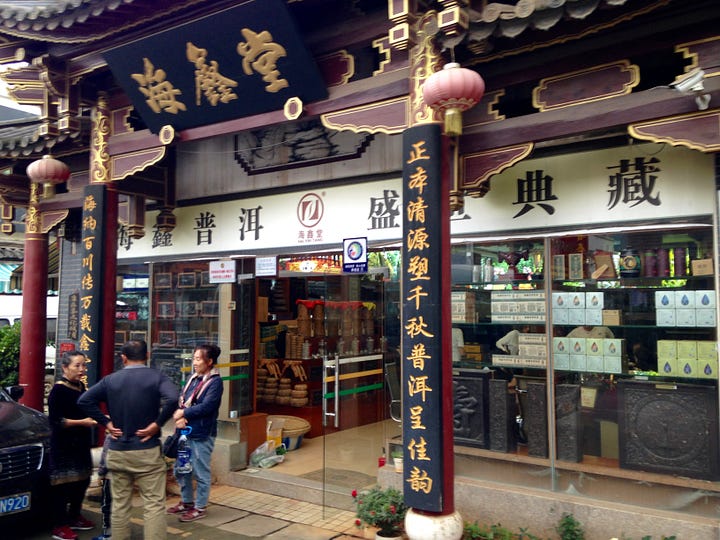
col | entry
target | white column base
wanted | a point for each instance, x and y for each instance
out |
(433, 527)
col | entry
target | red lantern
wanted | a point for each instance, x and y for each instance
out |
(48, 171)
(452, 90)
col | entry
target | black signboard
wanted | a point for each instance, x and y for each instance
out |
(73, 316)
(422, 319)
(246, 60)
(91, 278)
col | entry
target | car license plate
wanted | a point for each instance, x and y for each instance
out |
(15, 503)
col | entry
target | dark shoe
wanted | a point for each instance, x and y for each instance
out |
(193, 515)
(64, 533)
(81, 524)
(180, 508)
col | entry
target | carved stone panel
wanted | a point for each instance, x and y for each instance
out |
(568, 421)
(470, 410)
(502, 417)
(669, 428)
(536, 420)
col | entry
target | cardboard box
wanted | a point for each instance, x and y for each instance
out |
(576, 317)
(594, 346)
(664, 299)
(594, 300)
(687, 350)
(562, 361)
(611, 317)
(685, 317)
(534, 351)
(532, 339)
(612, 364)
(576, 300)
(578, 362)
(705, 299)
(560, 345)
(684, 299)
(707, 351)
(668, 366)
(686, 368)
(593, 317)
(613, 347)
(666, 317)
(560, 300)
(560, 316)
(707, 370)
(666, 349)
(595, 364)
(705, 317)
(577, 345)
(701, 267)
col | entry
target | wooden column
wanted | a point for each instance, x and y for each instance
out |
(33, 333)
(100, 173)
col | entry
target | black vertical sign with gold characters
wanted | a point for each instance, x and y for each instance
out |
(421, 318)
(91, 278)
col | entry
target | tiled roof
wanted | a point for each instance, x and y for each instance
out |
(23, 138)
(81, 21)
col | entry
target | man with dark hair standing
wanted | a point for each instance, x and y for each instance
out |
(139, 401)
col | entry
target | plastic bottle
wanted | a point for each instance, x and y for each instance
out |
(184, 454)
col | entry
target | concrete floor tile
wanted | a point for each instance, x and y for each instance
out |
(218, 515)
(298, 531)
(254, 526)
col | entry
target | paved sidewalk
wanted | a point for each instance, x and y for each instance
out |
(240, 514)
(233, 514)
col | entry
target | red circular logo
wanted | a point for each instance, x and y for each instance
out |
(310, 210)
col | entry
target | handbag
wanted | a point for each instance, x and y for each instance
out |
(170, 446)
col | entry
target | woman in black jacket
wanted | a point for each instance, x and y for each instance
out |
(70, 443)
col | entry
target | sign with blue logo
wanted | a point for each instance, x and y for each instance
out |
(355, 260)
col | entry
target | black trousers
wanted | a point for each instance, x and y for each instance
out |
(67, 501)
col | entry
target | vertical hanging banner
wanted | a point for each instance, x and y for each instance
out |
(91, 278)
(421, 318)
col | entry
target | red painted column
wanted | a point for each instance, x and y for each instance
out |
(33, 330)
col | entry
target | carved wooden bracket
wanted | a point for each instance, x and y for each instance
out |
(699, 131)
(476, 169)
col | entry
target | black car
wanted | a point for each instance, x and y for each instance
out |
(24, 447)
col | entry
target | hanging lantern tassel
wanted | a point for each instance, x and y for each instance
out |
(451, 91)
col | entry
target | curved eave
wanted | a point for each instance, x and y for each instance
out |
(82, 21)
(23, 140)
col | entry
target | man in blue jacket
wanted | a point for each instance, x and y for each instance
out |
(139, 401)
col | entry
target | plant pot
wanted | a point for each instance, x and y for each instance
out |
(398, 462)
(379, 536)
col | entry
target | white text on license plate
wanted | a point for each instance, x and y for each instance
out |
(15, 503)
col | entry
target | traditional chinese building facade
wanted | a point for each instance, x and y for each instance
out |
(220, 156)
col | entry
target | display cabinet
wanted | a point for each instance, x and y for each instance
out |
(184, 313)
(595, 315)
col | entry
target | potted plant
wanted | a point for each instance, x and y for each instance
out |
(397, 456)
(383, 508)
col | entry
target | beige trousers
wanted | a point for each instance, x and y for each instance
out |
(147, 470)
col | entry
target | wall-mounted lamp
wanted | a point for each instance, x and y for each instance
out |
(692, 83)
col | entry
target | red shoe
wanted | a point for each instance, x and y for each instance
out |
(180, 508)
(193, 515)
(64, 533)
(81, 524)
